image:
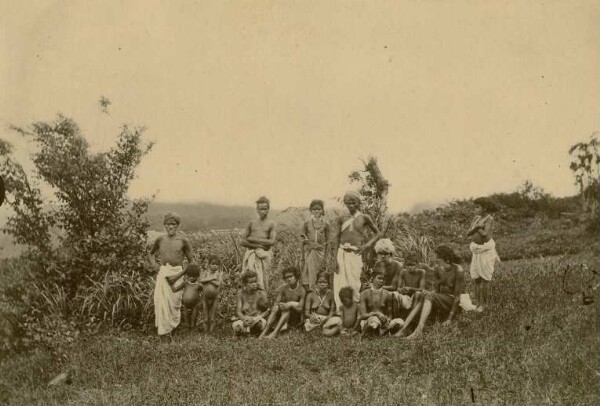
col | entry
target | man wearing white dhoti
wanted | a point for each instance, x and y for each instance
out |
(349, 246)
(172, 249)
(259, 237)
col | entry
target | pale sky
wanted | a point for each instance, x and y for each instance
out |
(243, 98)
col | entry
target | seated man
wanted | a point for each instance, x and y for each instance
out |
(376, 306)
(445, 298)
(289, 302)
(346, 323)
(320, 305)
(391, 268)
(252, 306)
(411, 283)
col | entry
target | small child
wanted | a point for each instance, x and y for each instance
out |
(252, 307)
(320, 305)
(346, 323)
(211, 281)
(288, 304)
(376, 305)
(191, 293)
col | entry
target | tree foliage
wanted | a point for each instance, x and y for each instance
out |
(100, 230)
(374, 188)
(585, 158)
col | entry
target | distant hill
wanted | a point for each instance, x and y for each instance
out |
(422, 206)
(202, 216)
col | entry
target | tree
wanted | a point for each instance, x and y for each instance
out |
(374, 191)
(101, 230)
(585, 158)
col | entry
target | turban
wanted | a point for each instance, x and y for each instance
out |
(385, 246)
(352, 194)
(172, 216)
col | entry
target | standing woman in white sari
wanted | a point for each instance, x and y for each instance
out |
(483, 248)
(315, 241)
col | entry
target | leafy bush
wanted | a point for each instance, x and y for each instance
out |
(97, 269)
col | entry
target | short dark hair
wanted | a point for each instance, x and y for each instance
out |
(214, 259)
(411, 258)
(487, 204)
(347, 292)
(291, 270)
(316, 202)
(247, 275)
(447, 254)
(192, 270)
(378, 270)
(322, 274)
(264, 199)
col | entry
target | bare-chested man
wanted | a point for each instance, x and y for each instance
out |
(375, 305)
(172, 248)
(385, 250)
(350, 245)
(444, 300)
(411, 282)
(258, 239)
(484, 252)
(252, 307)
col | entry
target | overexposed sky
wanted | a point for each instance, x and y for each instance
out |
(244, 98)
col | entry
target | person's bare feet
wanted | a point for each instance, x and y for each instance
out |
(416, 334)
(400, 333)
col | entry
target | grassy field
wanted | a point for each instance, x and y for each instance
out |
(536, 345)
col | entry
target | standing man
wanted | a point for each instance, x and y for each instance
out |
(258, 239)
(350, 245)
(172, 249)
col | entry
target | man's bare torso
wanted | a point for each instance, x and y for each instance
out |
(375, 300)
(253, 302)
(354, 234)
(411, 278)
(171, 250)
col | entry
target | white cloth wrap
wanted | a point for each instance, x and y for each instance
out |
(259, 261)
(167, 304)
(484, 259)
(350, 268)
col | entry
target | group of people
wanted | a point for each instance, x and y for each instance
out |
(399, 298)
